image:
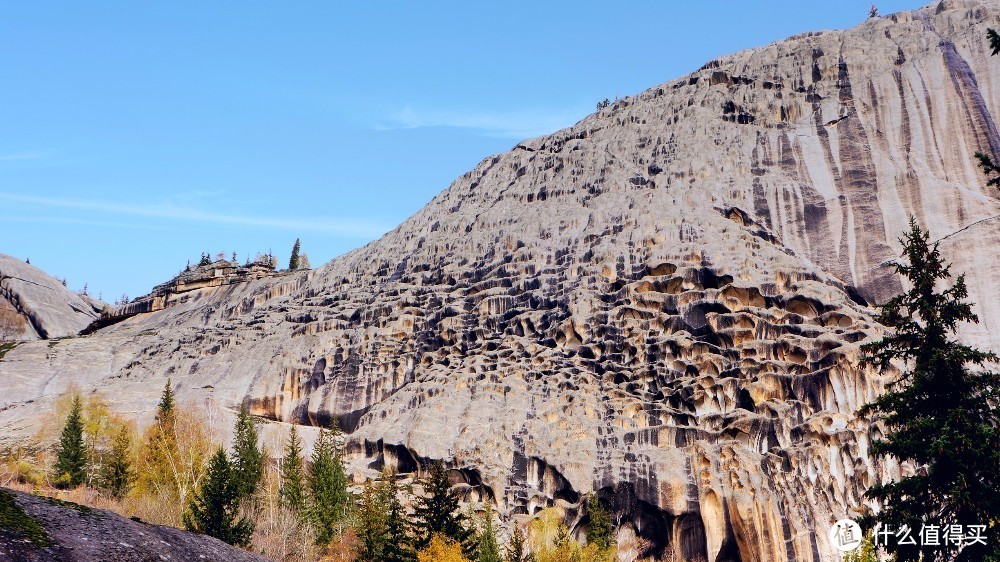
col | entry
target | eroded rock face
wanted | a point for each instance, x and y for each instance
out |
(662, 304)
(49, 308)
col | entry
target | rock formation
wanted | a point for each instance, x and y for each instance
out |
(661, 304)
(188, 284)
(50, 309)
(67, 532)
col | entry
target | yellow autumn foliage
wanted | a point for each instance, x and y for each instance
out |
(442, 549)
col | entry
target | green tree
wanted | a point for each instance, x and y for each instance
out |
(293, 483)
(248, 457)
(990, 169)
(213, 509)
(438, 512)
(515, 549)
(940, 414)
(599, 532)
(165, 408)
(489, 550)
(71, 456)
(293, 262)
(206, 259)
(117, 474)
(381, 523)
(327, 487)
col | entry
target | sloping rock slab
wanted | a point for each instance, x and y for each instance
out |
(81, 534)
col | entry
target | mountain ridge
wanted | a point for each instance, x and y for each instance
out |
(661, 305)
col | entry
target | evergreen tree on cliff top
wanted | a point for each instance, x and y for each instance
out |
(293, 261)
(940, 414)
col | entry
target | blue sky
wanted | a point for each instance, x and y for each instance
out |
(136, 135)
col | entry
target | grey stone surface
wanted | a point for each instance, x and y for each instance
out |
(50, 309)
(662, 303)
(80, 534)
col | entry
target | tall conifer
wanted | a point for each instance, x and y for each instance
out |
(327, 487)
(438, 513)
(248, 457)
(214, 508)
(293, 485)
(71, 456)
(941, 413)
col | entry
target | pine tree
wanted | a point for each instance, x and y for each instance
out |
(397, 527)
(327, 487)
(165, 408)
(600, 532)
(293, 262)
(438, 513)
(248, 458)
(489, 550)
(381, 523)
(71, 457)
(939, 414)
(117, 474)
(516, 546)
(214, 508)
(293, 485)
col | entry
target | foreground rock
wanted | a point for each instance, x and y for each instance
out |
(661, 305)
(73, 533)
(50, 309)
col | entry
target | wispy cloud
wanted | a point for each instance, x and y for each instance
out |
(23, 155)
(509, 124)
(80, 222)
(348, 227)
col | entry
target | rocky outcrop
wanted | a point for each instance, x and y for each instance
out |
(661, 305)
(48, 307)
(58, 531)
(188, 285)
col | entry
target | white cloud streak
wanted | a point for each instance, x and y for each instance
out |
(347, 227)
(512, 124)
(21, 156)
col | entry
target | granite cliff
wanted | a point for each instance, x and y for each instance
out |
(661, 304)
(48, 308)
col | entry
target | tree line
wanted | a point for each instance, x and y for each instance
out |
(223, 493)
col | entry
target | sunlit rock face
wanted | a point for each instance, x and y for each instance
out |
(48, 308)
(662, 304)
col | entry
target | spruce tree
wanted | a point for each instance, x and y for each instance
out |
(438, 513)
(165, 409)
(293, 262)
(213, 510)
(117, 474)
(397, 527)
(327, 487)
(381, 523)
(248, 458)
(71, 456)
(940, 413)
(489, 550)
(293, 485)
(600, 532)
